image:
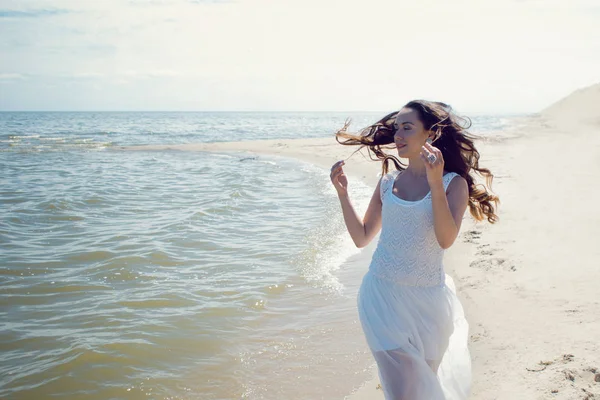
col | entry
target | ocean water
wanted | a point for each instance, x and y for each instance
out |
(175, 275)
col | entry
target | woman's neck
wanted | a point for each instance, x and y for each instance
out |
(416, 167)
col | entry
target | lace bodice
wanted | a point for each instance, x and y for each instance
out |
(408, 251)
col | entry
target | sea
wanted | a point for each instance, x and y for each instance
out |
(176, 275)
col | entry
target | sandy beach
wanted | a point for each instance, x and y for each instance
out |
(169, 228)
(529, 284)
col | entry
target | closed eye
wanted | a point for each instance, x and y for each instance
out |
(407, 126)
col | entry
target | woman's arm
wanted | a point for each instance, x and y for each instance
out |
(448, 209)
(362, 232)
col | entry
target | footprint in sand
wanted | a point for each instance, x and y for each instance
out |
(477, 336)
(577, 379)
(488, 264)
(485, 251)
(472, 236)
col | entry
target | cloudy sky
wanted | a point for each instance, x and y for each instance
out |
(501, 56)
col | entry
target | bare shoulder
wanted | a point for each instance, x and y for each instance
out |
(458, 184)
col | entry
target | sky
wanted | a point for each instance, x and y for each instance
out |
(480, 56)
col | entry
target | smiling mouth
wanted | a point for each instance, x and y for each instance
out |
(399, 146)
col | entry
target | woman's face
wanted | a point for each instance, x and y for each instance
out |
(410, 134)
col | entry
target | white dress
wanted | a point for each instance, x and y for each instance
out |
(411, 317)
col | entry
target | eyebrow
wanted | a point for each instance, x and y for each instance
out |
(402, 123)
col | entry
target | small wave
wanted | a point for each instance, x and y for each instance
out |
(54, 205)
(163, 259)
(158, 303)
(277, 289)
(257, 304)
(268, 162)
(223, 155)
(90, 256)
(20, 137)
(52, 144)
(14, 200)
(95, 200)
(60, 218)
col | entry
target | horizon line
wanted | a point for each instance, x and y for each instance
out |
(250, 111)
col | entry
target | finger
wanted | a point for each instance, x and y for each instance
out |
(337, 182)
(431, 158)
(435, 151)
(336, 175)
(339, 167)
(334, 168)
(430, 147)
(337, 164)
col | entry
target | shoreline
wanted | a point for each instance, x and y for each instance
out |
(303, 150)
(528, 283)
(365, 170)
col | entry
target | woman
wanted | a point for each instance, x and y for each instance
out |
(411, 317)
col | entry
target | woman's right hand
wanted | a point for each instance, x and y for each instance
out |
(339, 179)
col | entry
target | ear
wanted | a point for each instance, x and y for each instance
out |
(430, 137)
(433, 135)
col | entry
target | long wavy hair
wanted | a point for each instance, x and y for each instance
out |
(450, 136)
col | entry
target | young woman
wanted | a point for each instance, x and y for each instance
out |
(409, 311)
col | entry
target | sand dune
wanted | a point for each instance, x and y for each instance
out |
(581, 107)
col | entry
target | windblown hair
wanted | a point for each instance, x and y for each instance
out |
(450, 136)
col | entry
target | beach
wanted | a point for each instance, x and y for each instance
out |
(529, 284)
(169, 228)
(158, 254)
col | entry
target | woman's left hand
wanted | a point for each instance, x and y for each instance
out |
(434, 168)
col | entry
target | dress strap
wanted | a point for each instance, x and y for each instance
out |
(387, 181)
(448, 178)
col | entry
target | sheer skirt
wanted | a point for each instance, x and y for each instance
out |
(419, 337)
